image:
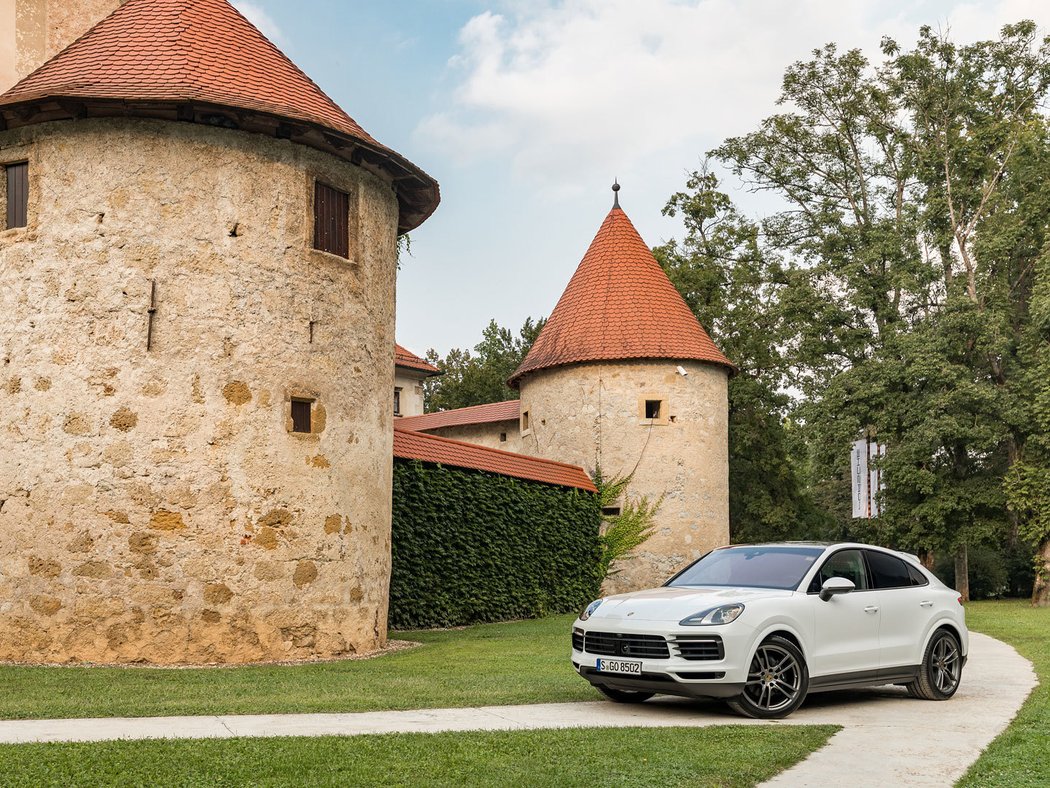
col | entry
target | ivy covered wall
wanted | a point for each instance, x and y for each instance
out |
(470, 547)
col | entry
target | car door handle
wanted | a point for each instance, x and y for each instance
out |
(871, 609)
(927, 603)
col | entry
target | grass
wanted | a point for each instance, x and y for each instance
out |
(720, 756)
(1021, 755)
(492, 664)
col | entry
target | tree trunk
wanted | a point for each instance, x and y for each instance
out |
(962, 573)
(1041, 591)
(929, 559)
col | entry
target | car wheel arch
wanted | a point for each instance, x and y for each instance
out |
(781, 629)
(949, 626)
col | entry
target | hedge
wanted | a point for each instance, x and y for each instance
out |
(471, 547)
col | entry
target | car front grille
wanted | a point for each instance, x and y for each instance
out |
(699, 647)
(577, 640)
(613, 644)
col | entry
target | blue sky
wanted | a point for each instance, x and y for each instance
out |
(525, 111)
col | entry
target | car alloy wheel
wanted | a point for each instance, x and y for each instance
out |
(777, 681)
(941, 669)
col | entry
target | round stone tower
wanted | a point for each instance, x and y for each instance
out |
(623, 377)
(196, 350)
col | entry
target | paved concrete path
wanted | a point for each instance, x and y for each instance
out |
(887, 737)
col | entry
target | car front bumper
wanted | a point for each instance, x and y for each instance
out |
(700, 663)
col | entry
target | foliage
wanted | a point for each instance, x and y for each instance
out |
(1028, 483)
(1020, 756)
(470, 547)
(480, 377)
(622, 533)
(728, 756)
(893, 286)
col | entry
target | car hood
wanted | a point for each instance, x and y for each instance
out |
(674, 604)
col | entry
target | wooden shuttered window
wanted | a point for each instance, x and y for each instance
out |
(17, 194)
(331, 220)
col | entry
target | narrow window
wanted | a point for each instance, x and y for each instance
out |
(524, 422)
(331, 220)
(503, 437)
(17, 195)
(397, 402)
(652, 408)
(611, 511)
(301, 409)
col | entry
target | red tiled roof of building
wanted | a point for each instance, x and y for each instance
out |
(477, 414)
(188, 54)
(619, 305)
(411, 445)
(409, 360)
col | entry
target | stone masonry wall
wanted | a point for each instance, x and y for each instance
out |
(486, 435)
(154, 504)
(589, 413)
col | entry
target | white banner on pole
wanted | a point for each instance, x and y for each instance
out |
(859, 466)
(866, 480)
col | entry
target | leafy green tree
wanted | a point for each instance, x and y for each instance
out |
(480, 377)
(627, 530)
(910, 225)
(1028, 484)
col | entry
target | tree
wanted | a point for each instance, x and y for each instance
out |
(480, 377)
(911, 224)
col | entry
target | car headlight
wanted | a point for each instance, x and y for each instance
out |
(726, 614)
(589, 610)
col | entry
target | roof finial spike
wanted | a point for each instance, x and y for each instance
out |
(616, 193)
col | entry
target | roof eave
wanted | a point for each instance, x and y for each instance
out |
(418, 194)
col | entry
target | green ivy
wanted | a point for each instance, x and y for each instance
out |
(472, 547)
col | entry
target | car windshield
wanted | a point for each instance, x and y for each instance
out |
(779, 566)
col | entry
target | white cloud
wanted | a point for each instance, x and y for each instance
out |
(565, 90)
(262, 20)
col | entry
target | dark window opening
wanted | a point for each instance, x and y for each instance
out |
(652, 408)
(397, 402)
(524, 421)
(17, 194)
(301, 409)
(503, 437)
(331, 220)
(611, 511)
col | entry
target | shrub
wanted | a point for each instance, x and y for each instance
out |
(469, 546)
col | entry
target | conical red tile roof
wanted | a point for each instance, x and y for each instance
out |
(190, 55)
(619, 305)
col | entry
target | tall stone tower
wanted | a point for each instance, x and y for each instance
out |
(196, 330)
(623, 376)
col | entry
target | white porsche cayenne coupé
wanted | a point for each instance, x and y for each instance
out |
(763, 625)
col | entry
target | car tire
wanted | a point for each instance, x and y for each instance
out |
(941, 669)
(624, 696)
(777, 681)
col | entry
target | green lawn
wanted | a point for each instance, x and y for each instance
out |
(492, 664)
(1021, 755)
(722, 756)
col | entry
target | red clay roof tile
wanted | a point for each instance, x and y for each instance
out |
(409, 360)
(476, 414)
(202, 52)
(619, 305)
(411, 445)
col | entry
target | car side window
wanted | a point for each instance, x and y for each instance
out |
(845, 563)
(887, 571)
(917, 577)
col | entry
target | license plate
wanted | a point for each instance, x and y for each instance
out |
(627, 666)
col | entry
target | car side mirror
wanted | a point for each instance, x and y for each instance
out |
(835, 585)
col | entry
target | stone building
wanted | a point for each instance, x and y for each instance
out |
(409, 373)
(623, 377)
(196, 276)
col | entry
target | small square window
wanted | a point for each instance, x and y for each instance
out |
(301, 412)
(331, 220)
(653, 408)
(503, 437)
(17, 194)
